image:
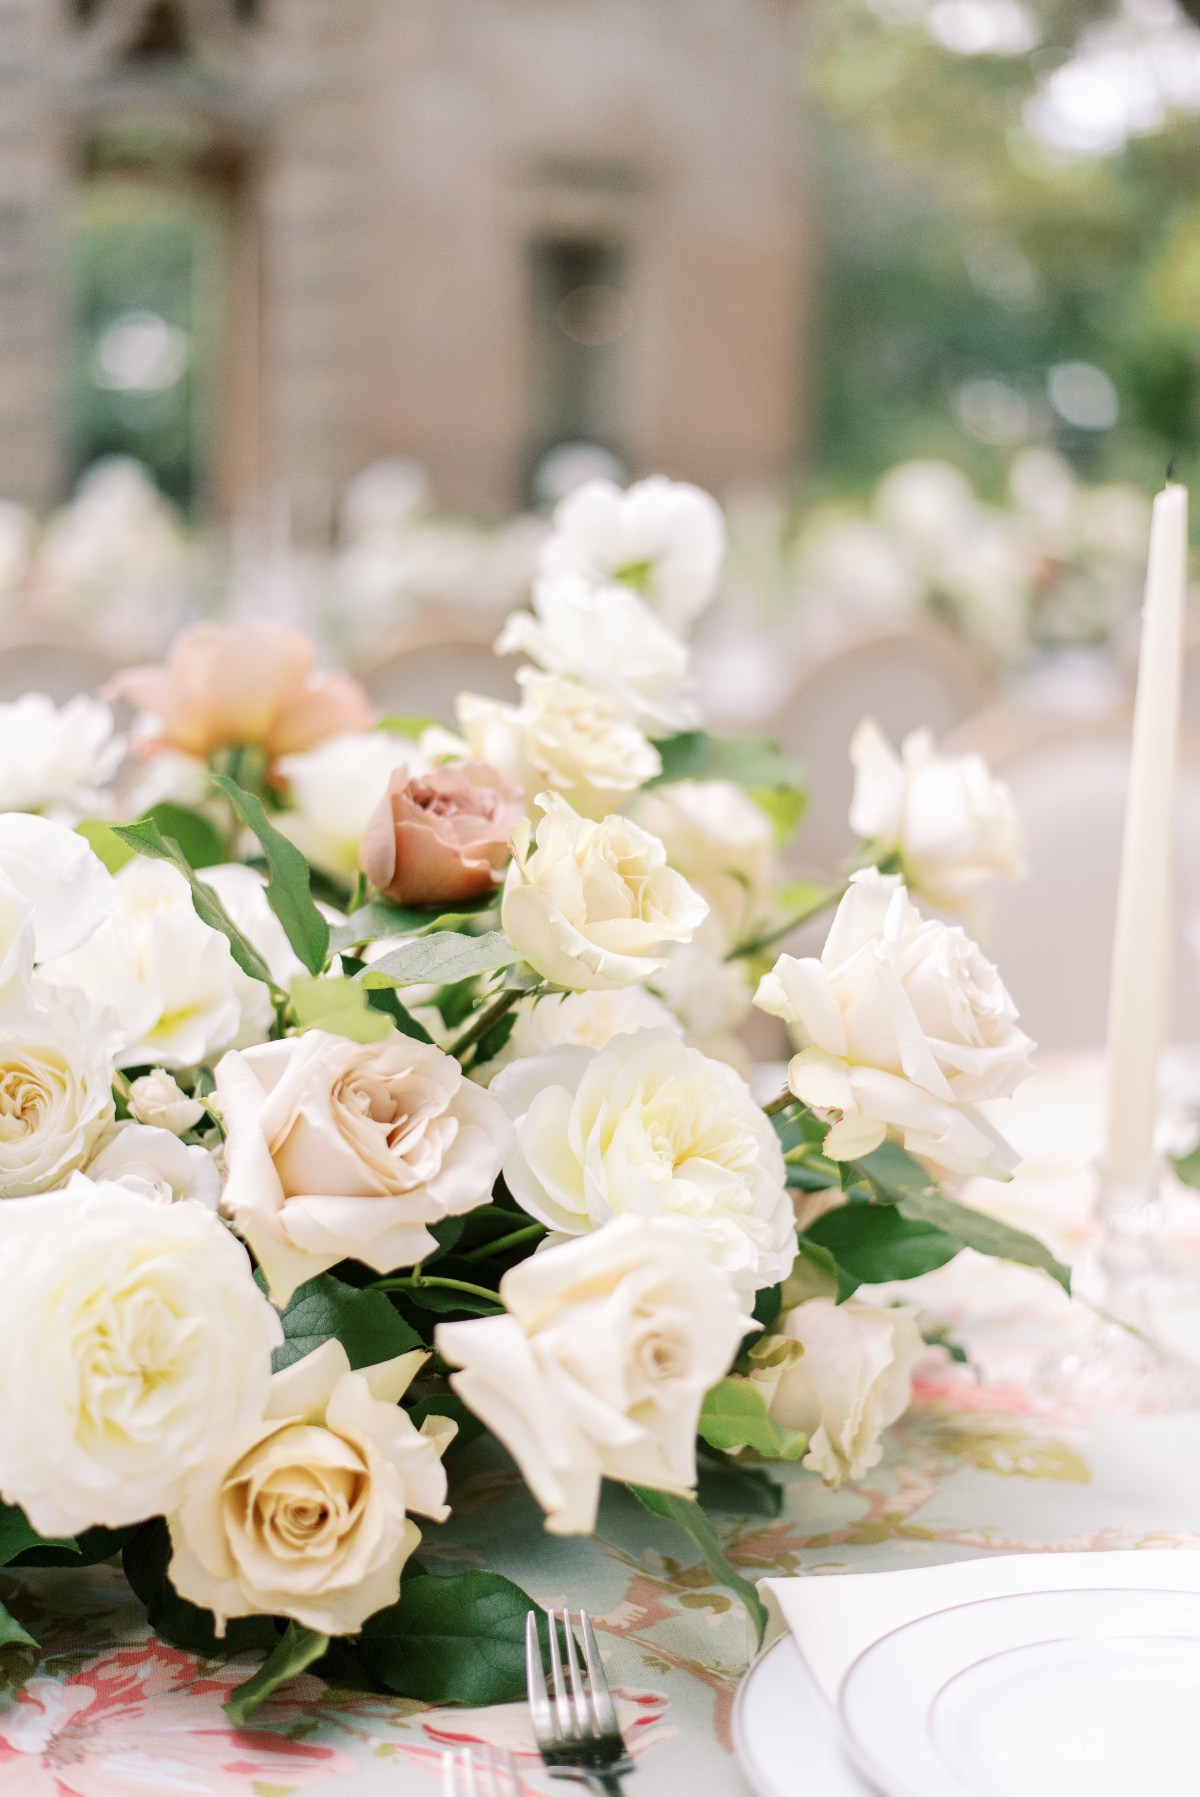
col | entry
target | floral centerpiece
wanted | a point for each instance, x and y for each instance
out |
(366, 1085)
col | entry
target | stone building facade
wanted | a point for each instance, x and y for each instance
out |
(460, 230)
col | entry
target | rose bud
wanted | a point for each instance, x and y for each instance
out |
(442, 837)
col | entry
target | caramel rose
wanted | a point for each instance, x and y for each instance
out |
(441, 837)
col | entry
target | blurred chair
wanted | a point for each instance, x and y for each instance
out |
(53, 666)
(435, 654)
(923, 675)
(1052, 936)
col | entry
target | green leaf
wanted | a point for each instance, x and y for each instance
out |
(89, 1548)
(815, 1274)
(735, 1415)
(383, 998)
(17, 1534)
(200, 843)
(368, 1327)
(687, 1513)
(340, 1006)
(19, 1652)
(289, 881)
(147, 839)
(378, 921)
(441, 1302)
(785, 806)
(297, 1648)
(1186, 1167)
(876, 1242)
(145, 1559)
(746, 760)
(492, 1041)
(414, 727)
(105, 844)
(453, 1640)
(733, 1487)
(768, 1302)
(442, 959)
(900, 1179)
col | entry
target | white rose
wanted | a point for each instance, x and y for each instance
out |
(133, 1340)
(156, 1099)
(905, 1026)
(577, 1019)
(724, 846)
(601, 1365)
(335, 788)
(651, 1127)
(710, 998)
(69, 889)
(306, 1513)
(56, 1064)
(665, 538)
(608, 638)
(56, 759)
(166, 975)
(156, 1164)
(563, 737)
(953, 826)
(592, 904)
(852, 1378)
(339, 1149)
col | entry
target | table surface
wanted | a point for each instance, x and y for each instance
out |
(980, 1464)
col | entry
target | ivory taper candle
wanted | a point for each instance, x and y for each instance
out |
(1138, 997)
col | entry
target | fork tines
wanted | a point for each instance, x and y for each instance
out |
(577, 1725)
(465, 1776)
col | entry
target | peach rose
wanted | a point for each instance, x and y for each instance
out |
(441, 837)
(225, 685)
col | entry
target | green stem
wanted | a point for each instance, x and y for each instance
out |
(831, 896)
(506, 1241)
(482, 1023)
(775, 1105)
(450, 1285)
(358, 897)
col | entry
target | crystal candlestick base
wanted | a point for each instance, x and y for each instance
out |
(1122, 1362)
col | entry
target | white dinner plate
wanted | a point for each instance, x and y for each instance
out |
(785, 1734)
(1049, 1694)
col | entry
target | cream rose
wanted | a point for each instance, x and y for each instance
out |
(711, 999)
(591, 904)
(904, 1026)
(335, 788)
(156, 1099)
(133, 1341)
(68, 888)
(601, 1365)
(338, 1149)
(156, 1164)
(166, 975)
(564, 738)
(306, 1513)
(56, 758)
(577, 1019)
(851, 1377)
(664, 538)
(650, 1127)
(56, 1066)
(952, 824)
(608, 638)
(724, 846)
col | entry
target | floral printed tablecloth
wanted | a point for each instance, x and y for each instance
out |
(981, 1464)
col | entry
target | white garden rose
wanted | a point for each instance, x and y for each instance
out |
(563, 737)
(608, 638)
(158, 1100)
(56, 1066)
(724, 846)
(133, 1341)
(601, 1365)
(335, 788)
(650, 1127)
(56, 759)
(665, 538)
(905, 1026)
(166, 975)
(305, 1514)
(952, 824)
(710, 997)
(156, 1164)
(851, 1378)
(574, 1019)
(69, 889)
(340, 1149)
(590, 905)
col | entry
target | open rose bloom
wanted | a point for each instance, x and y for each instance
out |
(402, 1095)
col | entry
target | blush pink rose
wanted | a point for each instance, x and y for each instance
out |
(442, 837)
(227, 685)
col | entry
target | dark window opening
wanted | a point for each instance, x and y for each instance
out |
(579, 314)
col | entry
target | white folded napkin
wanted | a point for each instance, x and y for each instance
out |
(835, 1617)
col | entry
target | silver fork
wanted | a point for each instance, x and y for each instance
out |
(577, 1733)
(464, 1776)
